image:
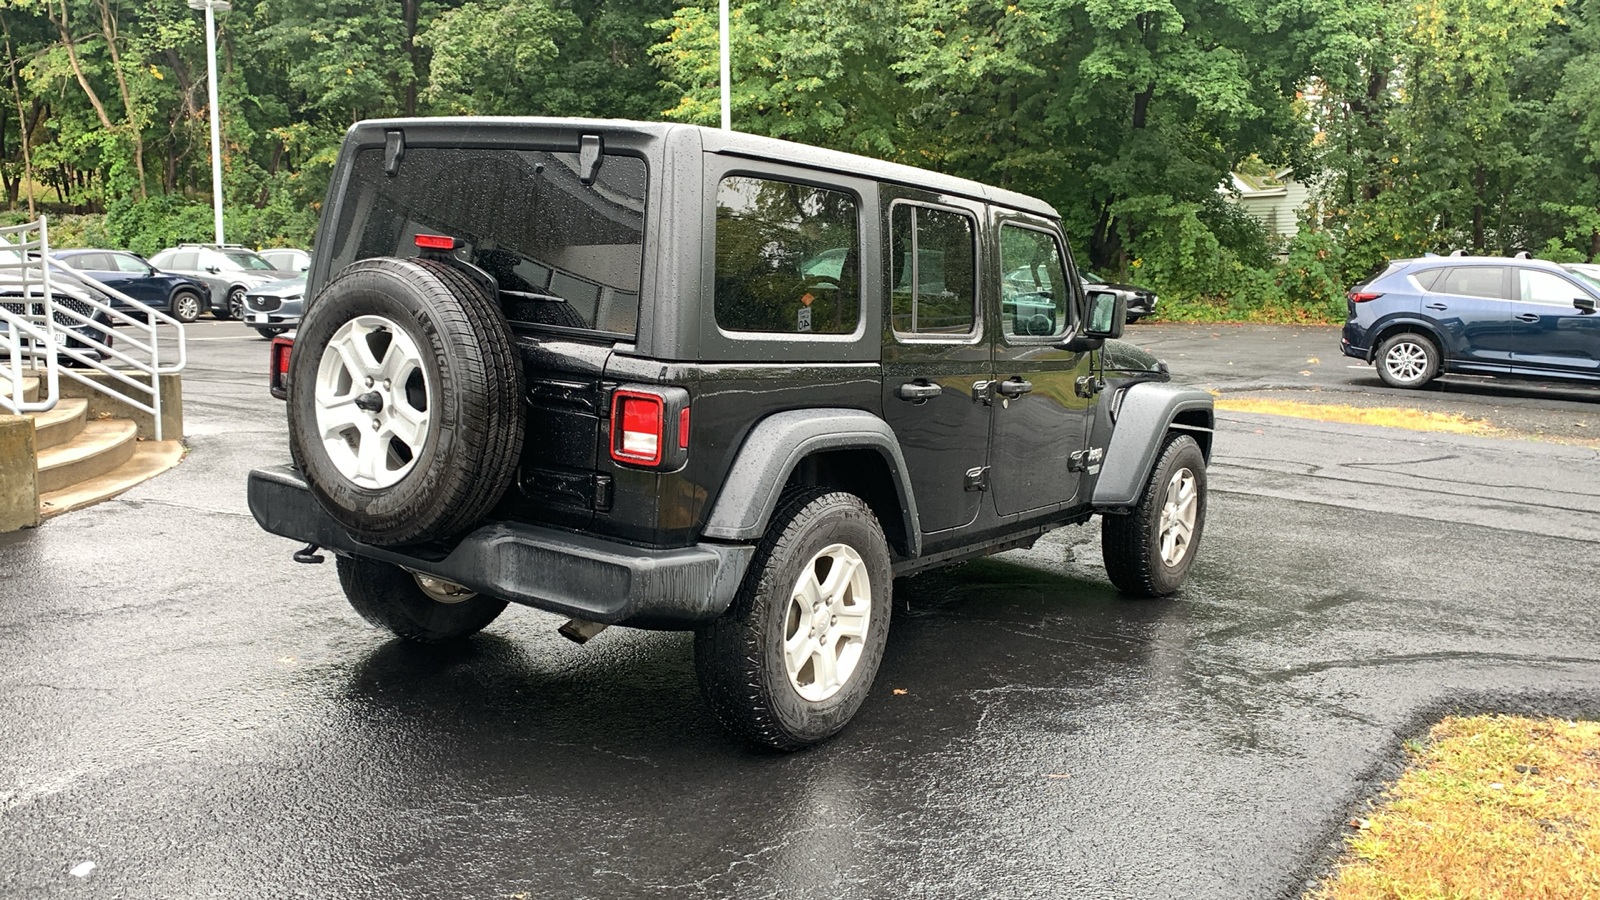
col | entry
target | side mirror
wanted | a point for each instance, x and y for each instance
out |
(212, 269)
(1108, 311)
(1583, 304)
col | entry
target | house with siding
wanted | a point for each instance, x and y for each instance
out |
(1275, 199)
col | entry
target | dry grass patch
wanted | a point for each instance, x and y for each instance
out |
(1493, 807)
(1386, 416)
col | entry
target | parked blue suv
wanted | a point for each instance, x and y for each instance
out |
(1478, 315)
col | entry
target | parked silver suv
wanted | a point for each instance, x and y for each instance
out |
(229, 270)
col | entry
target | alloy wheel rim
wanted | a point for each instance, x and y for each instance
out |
(1178, 512)
(441, 591)
(188, 307)
(374, 402)
(825, 623)
(1406, 361)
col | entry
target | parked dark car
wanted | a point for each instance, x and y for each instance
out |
(274, 307)
(20, 298)
(672, 377)
(1141, 300)
(1477, 315)
(178, 296)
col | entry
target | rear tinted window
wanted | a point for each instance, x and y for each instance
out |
(1427, 278)
(933, 270)
(565, 254)
(1474, 281)
(787, 258)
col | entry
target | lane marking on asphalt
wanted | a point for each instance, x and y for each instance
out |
(242, 337)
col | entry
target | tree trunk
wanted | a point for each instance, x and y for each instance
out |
(22, 121)
(108, 26)
(1594, 245)
(1478, 180)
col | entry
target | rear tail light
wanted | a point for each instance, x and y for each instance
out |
(650, 426)
(435, 242)
(278, 367)
(1362, 296)
(637, 424)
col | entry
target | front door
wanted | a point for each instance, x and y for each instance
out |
(1553, 335)
(1039, 417)
(936, 357)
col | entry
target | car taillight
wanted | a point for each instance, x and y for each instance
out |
(650, 426)
(435, 242)
(278, 367)
(1362, 296)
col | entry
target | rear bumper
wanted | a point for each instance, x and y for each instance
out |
(571, 574)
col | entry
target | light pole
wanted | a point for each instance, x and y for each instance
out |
(727, 87)
(212, 7)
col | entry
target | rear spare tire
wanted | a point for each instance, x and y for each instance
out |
(404, 401)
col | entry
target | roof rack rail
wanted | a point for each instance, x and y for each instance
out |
(1523, 254)
(1458, 253)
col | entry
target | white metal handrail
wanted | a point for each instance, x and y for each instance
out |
(84, 339)
(29, 342)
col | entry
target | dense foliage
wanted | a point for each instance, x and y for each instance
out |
(1423, 124)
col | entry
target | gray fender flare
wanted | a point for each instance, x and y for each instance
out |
(1144, 416)
(777, 444)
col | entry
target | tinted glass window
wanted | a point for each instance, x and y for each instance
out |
(125, 263)
(1474, 281)
(187, 260)
(1427, 277)
(788, 258)
(1546, 287)
(1035, 298)
(933, 266)
(564, 253)
(1590, 274)
(91, 262)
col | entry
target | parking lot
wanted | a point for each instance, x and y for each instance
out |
(199, 716)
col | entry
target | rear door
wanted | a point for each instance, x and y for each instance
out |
(1472, 307)
(1039, 419)
(1552, 335)
(936, 355)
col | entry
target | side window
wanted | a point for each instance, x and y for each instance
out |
(185, 261)
(1545, 287)
(788, 258)
(125, 263)
(1034, 294)
(933, 270)
(1474, 281)
(1427, 278)
(91, 262)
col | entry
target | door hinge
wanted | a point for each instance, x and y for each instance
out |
(1087, 386)
(977, 479)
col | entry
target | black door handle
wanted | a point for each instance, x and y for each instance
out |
(915, 391)
(1527, 317)
(1437, 306)
(1013, 388)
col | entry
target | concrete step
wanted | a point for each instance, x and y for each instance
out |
(60, 425)
(101, 446)
(149, 459)
(30, 387)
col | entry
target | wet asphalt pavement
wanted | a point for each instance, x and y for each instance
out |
(199, 716)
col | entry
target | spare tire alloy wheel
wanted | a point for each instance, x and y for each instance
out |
(794, 657)
(405, 397)
(372, 411)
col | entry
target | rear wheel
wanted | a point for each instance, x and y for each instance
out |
(413, 606)
(234, 309)
(1148, 551)
(794, 658)
(1407, 360)
(269, 332)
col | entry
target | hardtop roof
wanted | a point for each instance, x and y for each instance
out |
(715, 140)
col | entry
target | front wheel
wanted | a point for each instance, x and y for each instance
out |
(1148, 551)
(416, 607)
(235, 308)
(793, 659)
(1407, 360)
(186, 306)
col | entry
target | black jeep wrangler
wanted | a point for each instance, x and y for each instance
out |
(665, 376)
